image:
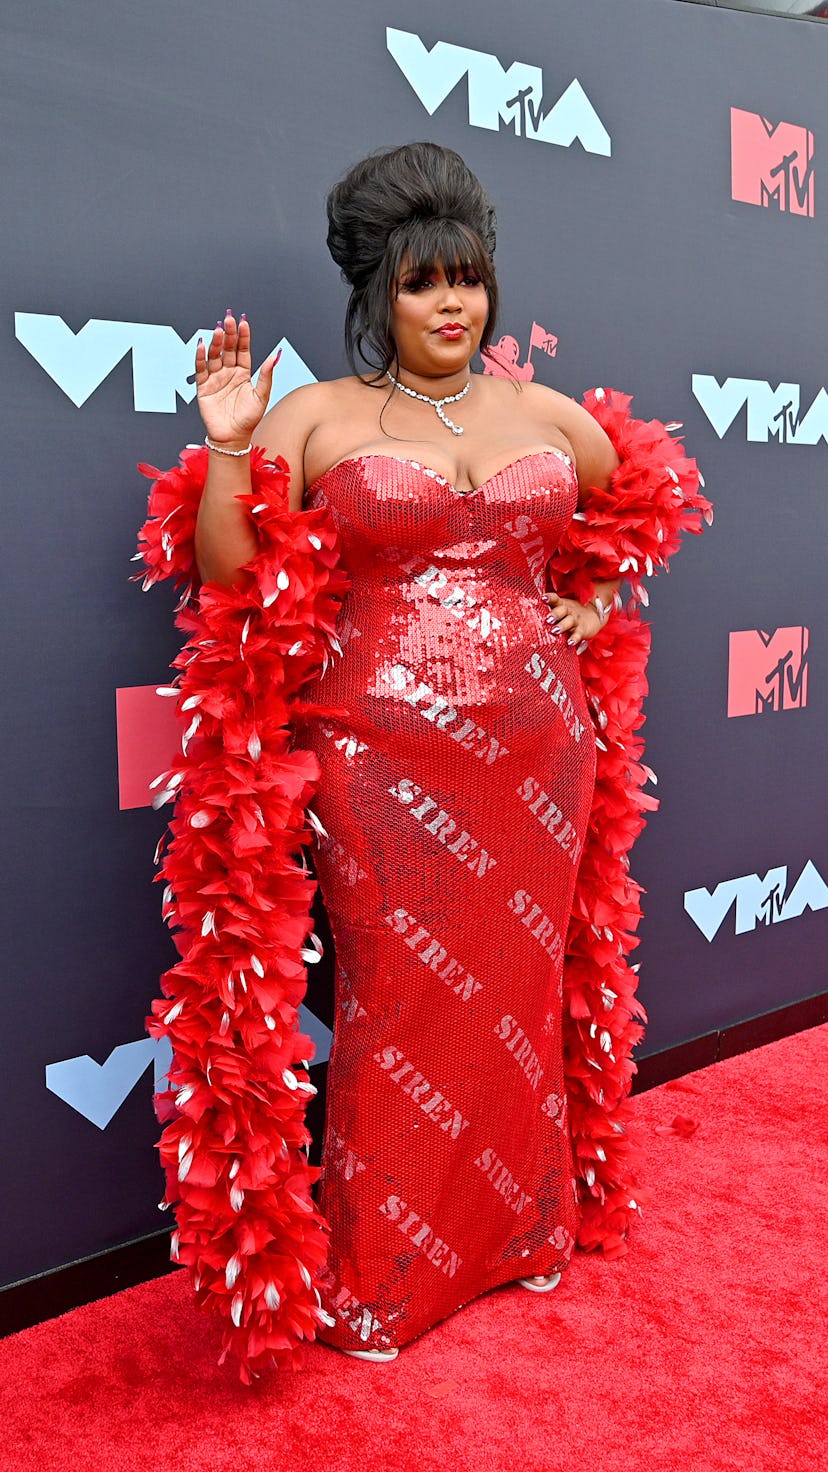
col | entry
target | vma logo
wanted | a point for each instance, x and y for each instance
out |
(162, 363)
(767, 671)
(513, 96)
(98, 1090)
(772, 164)
(758, 901)
(772, 413)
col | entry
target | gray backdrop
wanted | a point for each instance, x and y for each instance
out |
(162, 163)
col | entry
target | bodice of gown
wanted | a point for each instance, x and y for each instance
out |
(448, 593)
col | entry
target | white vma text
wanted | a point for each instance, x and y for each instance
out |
(163, 364)
(98, 1090)
(772, 413)
(512, 95)
(765, 901)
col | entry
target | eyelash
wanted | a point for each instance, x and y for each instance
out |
(415, 285)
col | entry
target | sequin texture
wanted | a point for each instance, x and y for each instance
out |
(454, 801)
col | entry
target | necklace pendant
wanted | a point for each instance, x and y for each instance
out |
(449, 423)
(436, 404)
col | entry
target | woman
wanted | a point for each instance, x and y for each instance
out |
(457, 749)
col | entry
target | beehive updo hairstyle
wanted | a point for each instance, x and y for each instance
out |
(419, 201)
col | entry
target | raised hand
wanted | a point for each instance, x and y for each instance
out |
(231, 405)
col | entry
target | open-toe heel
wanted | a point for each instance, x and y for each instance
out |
(372, 1354)
(539, 1284)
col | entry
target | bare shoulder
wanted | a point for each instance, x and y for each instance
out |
(595, 457)
(559, 409)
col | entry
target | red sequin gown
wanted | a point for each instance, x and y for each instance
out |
(455, 799)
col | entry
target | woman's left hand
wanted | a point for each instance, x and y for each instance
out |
(579, 621)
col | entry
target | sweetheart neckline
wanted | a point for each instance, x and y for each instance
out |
(435, 474)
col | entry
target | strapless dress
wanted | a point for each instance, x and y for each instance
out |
(454, 800)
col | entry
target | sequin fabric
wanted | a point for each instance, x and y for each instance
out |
(455, 800)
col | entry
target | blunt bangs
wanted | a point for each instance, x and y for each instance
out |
(418, 245)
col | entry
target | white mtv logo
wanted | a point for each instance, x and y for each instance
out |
(758, 901)
(514, 97)
(772, 413)
(97, 1090)
(162, 363)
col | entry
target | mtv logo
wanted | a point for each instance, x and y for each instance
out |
(767, 672)
(149, 739)
(772, 164)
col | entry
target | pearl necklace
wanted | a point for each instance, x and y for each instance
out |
(435, 403)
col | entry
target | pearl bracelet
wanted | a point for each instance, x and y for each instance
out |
(220, 450)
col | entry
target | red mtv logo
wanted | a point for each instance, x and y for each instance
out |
(771, 163)
(767, 671)
(149, 739)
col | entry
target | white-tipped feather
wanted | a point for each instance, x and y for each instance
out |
(316, 824)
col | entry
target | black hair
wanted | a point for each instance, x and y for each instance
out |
(419, 203)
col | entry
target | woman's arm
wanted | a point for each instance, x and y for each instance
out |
(233, 411)
(595, 461)
(595, 458)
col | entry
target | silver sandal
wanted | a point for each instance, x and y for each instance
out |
(540, 1284)
(372, 1354)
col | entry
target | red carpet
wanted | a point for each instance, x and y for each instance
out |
(702, 1351)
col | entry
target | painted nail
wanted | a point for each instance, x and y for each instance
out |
(243, 317)
(572, 641)
(219, 324)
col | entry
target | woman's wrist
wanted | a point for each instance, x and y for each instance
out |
(228, 447)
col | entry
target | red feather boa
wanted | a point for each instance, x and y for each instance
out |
(629, 530)
(239, 896)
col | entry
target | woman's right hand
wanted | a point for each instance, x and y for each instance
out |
(231, 405)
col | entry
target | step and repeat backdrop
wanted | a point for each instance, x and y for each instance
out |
(656, 170)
